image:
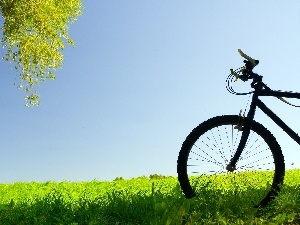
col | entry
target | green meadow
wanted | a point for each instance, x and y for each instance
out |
(155, 200)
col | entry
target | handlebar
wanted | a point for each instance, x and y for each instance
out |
(245, 73)
(251, 60)
(246, 70)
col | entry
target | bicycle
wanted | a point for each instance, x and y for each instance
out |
(222, 150)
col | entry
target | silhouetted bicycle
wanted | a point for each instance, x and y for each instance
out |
(234, 153)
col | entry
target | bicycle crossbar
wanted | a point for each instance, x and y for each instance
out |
(279, 94)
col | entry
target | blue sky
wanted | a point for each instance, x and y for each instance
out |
(143, 74)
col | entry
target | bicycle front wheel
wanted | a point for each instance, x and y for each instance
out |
(207, 150)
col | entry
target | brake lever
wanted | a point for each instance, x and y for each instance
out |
(234, 74)
(242, 77)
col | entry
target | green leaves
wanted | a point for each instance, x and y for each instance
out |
(35, 33)
(140, 201)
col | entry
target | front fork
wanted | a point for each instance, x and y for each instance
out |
(244, 125)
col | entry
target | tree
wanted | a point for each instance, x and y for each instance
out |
(35, 33)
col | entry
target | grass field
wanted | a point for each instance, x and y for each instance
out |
(156, 201)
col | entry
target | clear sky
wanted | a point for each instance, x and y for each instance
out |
(143, 74)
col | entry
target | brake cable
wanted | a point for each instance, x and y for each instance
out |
(285, 101)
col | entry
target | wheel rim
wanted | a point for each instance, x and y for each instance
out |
(210, 154)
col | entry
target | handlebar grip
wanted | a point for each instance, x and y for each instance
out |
(251, 60)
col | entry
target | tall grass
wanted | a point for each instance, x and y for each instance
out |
(143, 201)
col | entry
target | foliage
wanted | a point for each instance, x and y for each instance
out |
(140, 201)
(34, 33)
(156, 176)
(118, 178)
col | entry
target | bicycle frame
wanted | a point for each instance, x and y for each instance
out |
(256, 102)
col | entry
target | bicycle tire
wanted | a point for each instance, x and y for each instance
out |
(204, 137)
